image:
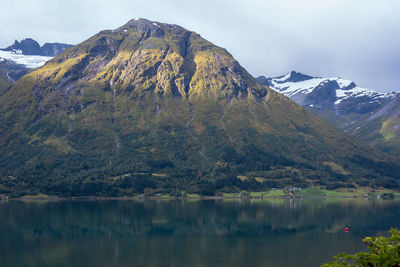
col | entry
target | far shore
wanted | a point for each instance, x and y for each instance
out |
(307, 193)
(96, 198)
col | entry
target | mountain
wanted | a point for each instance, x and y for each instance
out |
(29, 46)
(13, 65)
(25, 61)
(10, 72)
(337, 100)
(153, 107)
(17, 59)
(366, 114)
(382, 128)
(53, 49)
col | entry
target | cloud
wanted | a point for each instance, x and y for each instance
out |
(356, 39)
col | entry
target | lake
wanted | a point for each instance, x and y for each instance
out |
(272, 232)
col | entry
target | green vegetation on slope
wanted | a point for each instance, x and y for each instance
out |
(105, 115)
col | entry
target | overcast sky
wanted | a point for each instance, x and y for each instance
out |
(353, 39)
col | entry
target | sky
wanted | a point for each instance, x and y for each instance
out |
(353, 39)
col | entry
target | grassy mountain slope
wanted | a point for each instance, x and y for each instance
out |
(152, 106)
(382, 129)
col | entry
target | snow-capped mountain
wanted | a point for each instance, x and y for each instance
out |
(18, 59)
(14, 65)
(339, 100)
(30, 54)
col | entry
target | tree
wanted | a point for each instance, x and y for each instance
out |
(383, 251)
(207, 189)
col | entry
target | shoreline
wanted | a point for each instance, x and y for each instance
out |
(287, 193)
(93, 198)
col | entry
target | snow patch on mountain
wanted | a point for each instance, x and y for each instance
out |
(26, 60)
(290, 86)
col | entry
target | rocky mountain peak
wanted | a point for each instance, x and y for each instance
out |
(150, 28)
(28, 46)
(352, 85)
(147, 56)
(295, 76)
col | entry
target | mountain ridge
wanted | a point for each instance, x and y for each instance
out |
(337, 100)
(19, 58)
(382, 128)
(29, 46)
(366, 114)
(153, 105)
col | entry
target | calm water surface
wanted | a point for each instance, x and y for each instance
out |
(276, 232)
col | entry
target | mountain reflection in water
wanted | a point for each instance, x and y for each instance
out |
(274, 232)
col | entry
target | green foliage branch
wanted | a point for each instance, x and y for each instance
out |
(383, 251)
